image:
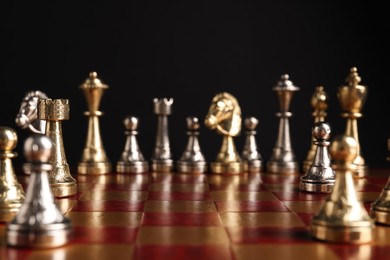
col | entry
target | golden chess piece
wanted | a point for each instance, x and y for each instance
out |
(352, 97)
(380, 208)
(54, 112)
(11, 192)
(224, 116)
(39, 223)
(319, 103)
(343, 218)
(94, 160)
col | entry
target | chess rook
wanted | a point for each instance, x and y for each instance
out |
(192, 160)
(319, 177)
(224, 116)
(11, 192)
(283, 158)
(132, 160)
(352, 97)
(94, 160)
(343, 218)
(161, 160)
(39, 223)
(54, 112)
(319, 103)
(251, 157)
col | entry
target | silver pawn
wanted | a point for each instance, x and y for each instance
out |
(132, 160)
(320, 177)
(39, 223)
(250, 155)
(161, 160)
(192, 160)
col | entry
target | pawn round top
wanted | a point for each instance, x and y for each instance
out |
(343, 149)
(192, 123)
(8, 138)
(93, 81)
(251, 123)
(131, 123)
(285, 84)
(321, 131)
(38, 147)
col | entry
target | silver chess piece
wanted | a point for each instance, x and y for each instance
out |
(251, 157)
(27, 116)
(161, 160)
(132, 160)
(39, 223)
(283, 158)
(320, 177)
(192, 160)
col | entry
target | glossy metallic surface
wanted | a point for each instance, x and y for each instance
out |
(251, 156)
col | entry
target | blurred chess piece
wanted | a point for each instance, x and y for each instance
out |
(11, 192)
(380, 208)
(352, 97)
(343, 218)
(283, 158)
(161, 160)
(192, 160)
(54, 112)
(39, 223)
(319, 177)
(224, 116)
(27, 116)
(251, 157)
(132, 160)
(319, 103)
(94, 160)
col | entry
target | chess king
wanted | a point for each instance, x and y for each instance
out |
(224, 116)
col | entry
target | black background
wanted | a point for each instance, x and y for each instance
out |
(191, 50)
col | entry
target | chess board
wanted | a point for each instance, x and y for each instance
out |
(184, 216)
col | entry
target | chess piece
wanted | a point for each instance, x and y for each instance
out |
(224, 116)
(132, 160)
(93, 160)
(352, 97)
(319, 104)
(283, 158)
(54, 112)
(192, 160)
(343, 218)
(161, 160)
(320, 177)
(11, 192)
(39, 223)
(250, 155)
(380, 208)
(27, 116)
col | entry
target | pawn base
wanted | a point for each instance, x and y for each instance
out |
(361, 171)
(316, 186)
(161, 165)
(282, 167)
(343, 234)
(191, 167)
(9, 211)
(254, 166)
(65, 189)
(381, 217)
(132, 167)
(94, 168)
(227, 168)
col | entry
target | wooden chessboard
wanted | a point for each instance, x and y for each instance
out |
(184, 216)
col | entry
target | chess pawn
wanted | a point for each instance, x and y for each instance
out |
(250, 155)
(224, 116)
(39, 223)
(161, 160)
(283, 158)
(192, 160)
(132, 160)
(11, 192)
(94, 160)
(54, 112)
(320, 177)
(343, 218)
(380, 208)
(319, 104)
(352, 97)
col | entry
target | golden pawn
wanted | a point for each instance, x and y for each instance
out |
(352, 97)
(343, 218)
(319, 103)
(11, 192)
(380, 208)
